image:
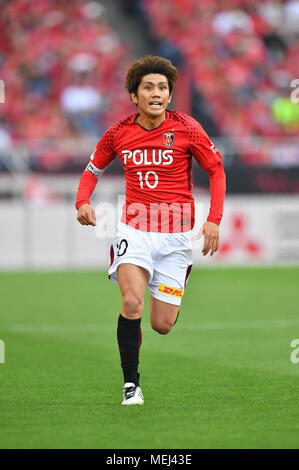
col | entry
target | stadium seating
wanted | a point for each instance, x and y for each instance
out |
(60, 64)
(243, 55)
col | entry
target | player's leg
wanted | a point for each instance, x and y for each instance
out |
(163, 315)
(168, 282)
(132, 281)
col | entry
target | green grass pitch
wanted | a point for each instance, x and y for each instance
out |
(222, 378)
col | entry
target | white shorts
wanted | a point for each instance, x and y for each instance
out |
(167, 257)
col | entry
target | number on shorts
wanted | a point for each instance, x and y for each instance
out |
(121, 247)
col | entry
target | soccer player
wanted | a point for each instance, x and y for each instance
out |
(153, 247)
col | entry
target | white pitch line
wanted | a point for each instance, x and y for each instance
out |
(89, 328)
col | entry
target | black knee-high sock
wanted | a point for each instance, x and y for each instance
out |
(129, 341)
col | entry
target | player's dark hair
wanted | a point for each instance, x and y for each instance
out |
(150, 64)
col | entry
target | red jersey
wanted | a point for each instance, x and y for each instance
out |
(157, 164)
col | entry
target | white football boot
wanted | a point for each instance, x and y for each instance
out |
(132, 394)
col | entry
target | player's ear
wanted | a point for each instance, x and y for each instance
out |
(170, 96)
(134, 98)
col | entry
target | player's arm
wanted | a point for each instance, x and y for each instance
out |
(99, 161)
(86, 214)
(210, 160)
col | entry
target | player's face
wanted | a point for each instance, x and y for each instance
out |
(152, 95)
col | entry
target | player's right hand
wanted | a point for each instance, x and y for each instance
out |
(86, 215)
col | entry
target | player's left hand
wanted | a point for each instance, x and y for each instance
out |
(210, 231)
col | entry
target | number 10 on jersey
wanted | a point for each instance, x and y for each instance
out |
(149, 178)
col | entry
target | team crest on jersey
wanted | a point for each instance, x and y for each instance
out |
(168, 139)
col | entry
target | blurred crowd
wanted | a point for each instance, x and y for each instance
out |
(62, 68)
(243, 56)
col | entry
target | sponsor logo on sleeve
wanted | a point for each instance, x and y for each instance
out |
(170, 290)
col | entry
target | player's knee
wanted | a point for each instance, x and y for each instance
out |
(162, 328)
(132, 305)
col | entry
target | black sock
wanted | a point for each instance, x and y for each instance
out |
(129, 341)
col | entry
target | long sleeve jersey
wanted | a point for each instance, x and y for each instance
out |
(157, 166)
